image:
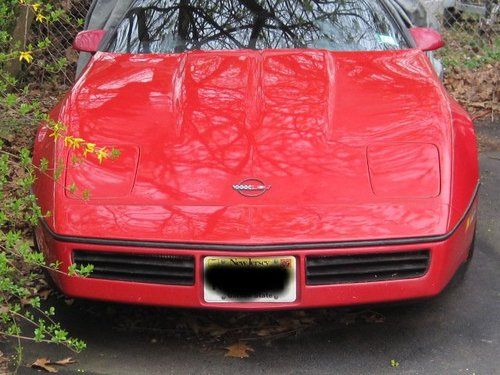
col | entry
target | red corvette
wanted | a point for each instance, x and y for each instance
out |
(298, 155)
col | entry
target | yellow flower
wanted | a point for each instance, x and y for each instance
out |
(86, 195)
(102, 154)
(89, 148)
(40, 17)
(57, 129)
(68, 141)
(26, 56)
(73, 142)
(77, 142)
(35, 6)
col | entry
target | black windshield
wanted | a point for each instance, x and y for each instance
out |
(165, 26)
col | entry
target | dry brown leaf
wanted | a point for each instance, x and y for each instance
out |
(4, 362)
(44, 294)
(289, 324)
(65, 4)
(71, 55)
(349, 318)
(216, 330)
(477, 89)
(2, 357)
(43, 364)
(308, 320)
(64, 362)
(239, 350)
(264, 332)
(373, 317)
(193, 324)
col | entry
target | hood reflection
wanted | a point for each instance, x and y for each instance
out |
(299, 120)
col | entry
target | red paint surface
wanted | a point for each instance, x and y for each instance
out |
(341, 137)
(88, 40)
(404, 170)
(427, 38)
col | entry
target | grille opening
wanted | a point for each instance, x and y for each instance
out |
(325, 270)
(140, 268)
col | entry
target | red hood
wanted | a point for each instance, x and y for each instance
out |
(341, 138)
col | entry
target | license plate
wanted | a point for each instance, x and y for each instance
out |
(248, 279)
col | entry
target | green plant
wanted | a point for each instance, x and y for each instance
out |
(22, 313)
(20, 263)
(466, 49)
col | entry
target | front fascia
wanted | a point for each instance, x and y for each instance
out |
(446, 256)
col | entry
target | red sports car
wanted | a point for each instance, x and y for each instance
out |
(273, 155)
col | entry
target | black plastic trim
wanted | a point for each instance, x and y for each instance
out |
(262, 247)
(367, 267)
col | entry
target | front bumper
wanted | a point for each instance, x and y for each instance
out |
(445, 258)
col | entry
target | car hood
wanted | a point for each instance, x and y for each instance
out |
(350, 145)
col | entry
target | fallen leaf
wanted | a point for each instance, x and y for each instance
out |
(43, 364)
(238, 350)
(263, 332)
(373, 317)
(216, 330)
(288, 324)
(193, 324)
(64, 362)
(349, 318)
(44, 294)
(4, 364)
(476, 89)
(71, 55)
(308, 320)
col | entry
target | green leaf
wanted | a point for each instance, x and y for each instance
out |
(394, 363)
(11, 99)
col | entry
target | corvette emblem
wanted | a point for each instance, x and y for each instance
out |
(251, 187)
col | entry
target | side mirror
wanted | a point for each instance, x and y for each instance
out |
(427, 39)
(88, 40)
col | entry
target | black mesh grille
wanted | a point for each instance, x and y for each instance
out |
(324, 270)
(140, 268)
